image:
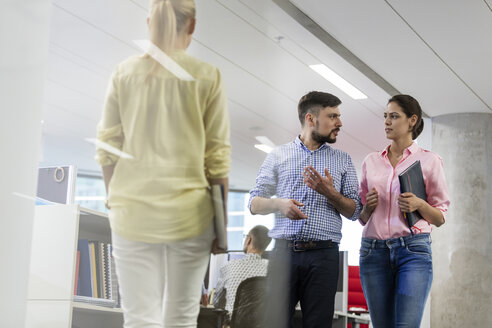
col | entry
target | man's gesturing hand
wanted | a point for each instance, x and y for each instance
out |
(290, 209)
(315, 181)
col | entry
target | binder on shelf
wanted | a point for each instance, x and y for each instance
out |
(107, 271)
(77, 265)
(84, 286)
(99, 269)
(92, 256)
(218, 198)
(115, 295)
(102, 271)
(412, 180)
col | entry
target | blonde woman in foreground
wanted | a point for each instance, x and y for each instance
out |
(176, 132)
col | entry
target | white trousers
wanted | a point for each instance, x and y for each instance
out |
(160, 284)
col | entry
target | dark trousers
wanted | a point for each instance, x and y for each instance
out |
(309, 277)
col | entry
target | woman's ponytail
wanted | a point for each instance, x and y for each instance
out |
(417, 129)
(163, 29)
(167, 18)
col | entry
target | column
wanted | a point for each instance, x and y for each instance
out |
(24, 31)
(462, 247)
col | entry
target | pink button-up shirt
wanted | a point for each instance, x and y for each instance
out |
(387, 220)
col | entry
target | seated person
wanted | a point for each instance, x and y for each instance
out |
(234, 272)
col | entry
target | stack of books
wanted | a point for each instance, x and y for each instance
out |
(96, 280)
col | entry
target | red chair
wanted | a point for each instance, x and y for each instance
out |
(356, 299)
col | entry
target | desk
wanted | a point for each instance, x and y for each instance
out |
(354, 319)
(210, 317)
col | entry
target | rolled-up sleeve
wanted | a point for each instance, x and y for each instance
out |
(266, 180)
(350, 188)
(363, 189)
(217, 132)
(436, 187)
(109, 129)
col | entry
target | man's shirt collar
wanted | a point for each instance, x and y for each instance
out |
(299, 143)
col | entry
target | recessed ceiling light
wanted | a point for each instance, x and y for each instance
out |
(266, 141)
(266, 144)
(264, 148)
(338, 81)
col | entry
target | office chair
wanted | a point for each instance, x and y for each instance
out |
(250, 303)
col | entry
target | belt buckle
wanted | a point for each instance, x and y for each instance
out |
(296, 247)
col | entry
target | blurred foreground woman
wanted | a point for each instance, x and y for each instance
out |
(166, 118)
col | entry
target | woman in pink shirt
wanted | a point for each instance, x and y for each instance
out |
(396, 261)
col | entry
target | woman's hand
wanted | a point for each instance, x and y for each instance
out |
(215, 249)
(372, 201)
(408, 202)
(204, 300)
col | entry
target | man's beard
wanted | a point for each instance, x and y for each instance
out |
(321, 139)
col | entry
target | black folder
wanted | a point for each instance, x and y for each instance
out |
(412, 180)
(218, 197)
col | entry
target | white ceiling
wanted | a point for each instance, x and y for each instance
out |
(438, 51)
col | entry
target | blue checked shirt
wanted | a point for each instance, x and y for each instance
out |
(281, 175)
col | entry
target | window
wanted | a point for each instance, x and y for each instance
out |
(90, 192)
(241, 220)
(351, 236)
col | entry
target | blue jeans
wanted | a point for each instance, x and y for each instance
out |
(310, 277)
(396, 276)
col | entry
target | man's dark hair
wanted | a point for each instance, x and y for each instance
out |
(259, 237)
(410, 106)
(314, 101)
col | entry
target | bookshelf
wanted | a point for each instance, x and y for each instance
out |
(50, 303)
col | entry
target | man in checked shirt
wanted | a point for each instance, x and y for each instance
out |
(314, 185)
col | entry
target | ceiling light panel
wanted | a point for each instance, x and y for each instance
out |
(338, 81)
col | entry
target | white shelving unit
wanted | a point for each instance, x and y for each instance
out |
(50, 304)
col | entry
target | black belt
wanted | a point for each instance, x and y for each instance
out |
(305, 245)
